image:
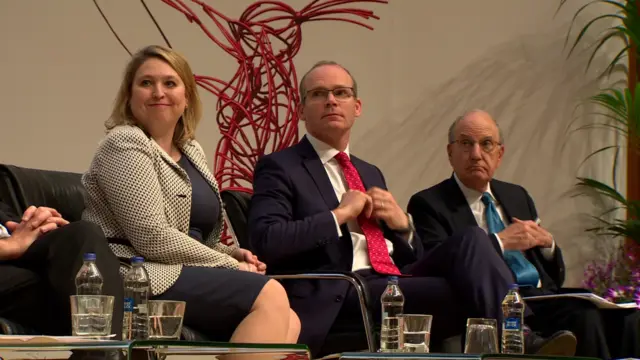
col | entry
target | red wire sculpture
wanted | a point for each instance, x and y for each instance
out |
(256, 109)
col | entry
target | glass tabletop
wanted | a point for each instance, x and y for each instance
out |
(400, 355)
(57, 342)
(65, 347)
(164, 349)
(44, 347)
(437, 356)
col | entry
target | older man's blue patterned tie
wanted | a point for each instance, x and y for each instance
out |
(525, 272)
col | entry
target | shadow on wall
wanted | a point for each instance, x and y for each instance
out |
(532, 90)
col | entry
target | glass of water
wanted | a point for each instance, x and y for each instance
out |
(91, 315)
(416, 332)
(482, 337)
(165, 319)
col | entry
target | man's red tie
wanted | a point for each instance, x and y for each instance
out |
(377, 246)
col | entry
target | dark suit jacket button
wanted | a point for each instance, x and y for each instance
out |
(339, 298)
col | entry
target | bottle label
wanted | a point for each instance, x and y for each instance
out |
(512, 323)
(142, 308)
(128, 304)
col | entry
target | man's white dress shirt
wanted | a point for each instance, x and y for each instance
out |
(327, 154)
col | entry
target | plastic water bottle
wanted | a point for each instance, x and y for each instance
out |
(89, 280)
(392, 307)
(512, 322)
(135, 324)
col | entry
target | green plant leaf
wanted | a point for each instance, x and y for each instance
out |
(618, 108)
(585, 29)
(602, 189)
(626, 28)
(597, 152)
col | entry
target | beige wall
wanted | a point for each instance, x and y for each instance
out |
(425, 63)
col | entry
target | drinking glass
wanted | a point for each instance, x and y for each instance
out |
(91, 315)
(165, 319)
(482, 337)
(416, 332)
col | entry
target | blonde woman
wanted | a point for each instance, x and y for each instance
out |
(151, 192)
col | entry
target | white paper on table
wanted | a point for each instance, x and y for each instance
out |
(593, 298)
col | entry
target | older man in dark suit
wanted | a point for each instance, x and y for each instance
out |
(317, 207)
(40, 254)
(471, 197)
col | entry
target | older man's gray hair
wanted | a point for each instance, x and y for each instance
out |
(452, 128)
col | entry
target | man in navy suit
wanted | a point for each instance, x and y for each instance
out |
(316, 207)
(471, 197)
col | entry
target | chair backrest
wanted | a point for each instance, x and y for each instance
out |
(21, 187)
(236, 204)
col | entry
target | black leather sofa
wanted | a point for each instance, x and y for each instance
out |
(21, 187)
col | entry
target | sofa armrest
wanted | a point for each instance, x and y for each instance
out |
(359, 285)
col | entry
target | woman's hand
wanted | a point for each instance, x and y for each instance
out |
(244, 255)
(249, 262)
(243, 266)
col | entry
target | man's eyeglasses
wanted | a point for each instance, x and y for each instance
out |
(486, 145)
(339, 93)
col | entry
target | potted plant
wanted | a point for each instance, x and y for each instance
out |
(618, 110)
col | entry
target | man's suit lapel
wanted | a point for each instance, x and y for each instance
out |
(316, 170)
(461, 214)
(512, 208)
(508, 204)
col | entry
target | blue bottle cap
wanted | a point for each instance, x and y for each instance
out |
(514, 286)
(137, 260)
(393, 278)
(89, 257)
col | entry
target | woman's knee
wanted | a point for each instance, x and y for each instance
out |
(272, 296)
(294, 325)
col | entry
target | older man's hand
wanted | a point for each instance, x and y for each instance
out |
(524, 235)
